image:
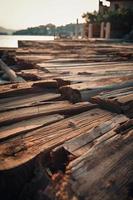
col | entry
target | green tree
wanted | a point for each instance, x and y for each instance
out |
(121, 19)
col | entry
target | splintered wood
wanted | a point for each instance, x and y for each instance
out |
(103, 171)
(84, 91)
(49, 137)
(120, 101)
(66, 133)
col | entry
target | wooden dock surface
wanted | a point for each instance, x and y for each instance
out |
(66, 133)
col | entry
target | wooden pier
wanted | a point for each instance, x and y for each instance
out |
(66, 130)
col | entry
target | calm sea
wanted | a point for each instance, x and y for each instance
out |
(12, 40)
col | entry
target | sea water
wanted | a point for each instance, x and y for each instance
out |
(12, 40)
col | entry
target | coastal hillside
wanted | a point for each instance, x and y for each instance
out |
(50, 29)
(7, 31)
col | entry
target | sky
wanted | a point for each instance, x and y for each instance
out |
(20, 14)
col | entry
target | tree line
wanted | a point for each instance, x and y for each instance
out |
(121, 20)
(49, 29)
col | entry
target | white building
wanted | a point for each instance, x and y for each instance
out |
(119, 4)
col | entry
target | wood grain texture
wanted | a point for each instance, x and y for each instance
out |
(120, 101)
(19, 150)
(84, 91)
(104, 171)
(24, 126)
(43, 109)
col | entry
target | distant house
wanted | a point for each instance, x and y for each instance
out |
(102, 8)
(120, 26)
(119, 4)
(115, 5)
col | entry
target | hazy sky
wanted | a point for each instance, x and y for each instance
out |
(18, 14)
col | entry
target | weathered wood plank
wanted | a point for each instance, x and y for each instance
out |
(79, 142)
(27, 100)
(21, 149)
(24, 126)
(120, 101)
(11, 90)
(57, 107)
(102, 172)
(90, 68)
(84, 91)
